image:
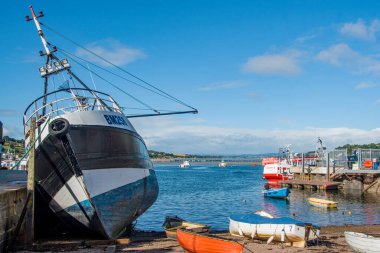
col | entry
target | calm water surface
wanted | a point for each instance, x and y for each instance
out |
(209, 194)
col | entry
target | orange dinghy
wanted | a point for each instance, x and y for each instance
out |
(196, 243)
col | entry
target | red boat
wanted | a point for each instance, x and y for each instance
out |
(276, 172)
(196, 243)
(269, 160)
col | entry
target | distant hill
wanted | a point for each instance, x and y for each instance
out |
(352, 147)
(17, 146)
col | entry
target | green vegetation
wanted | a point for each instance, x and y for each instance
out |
(13, 145)
(352, 147)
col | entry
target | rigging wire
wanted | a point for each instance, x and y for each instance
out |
(113, 85)
(121, 69)
(117, 75)
(92, 78)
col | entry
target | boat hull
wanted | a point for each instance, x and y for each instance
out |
(322, 203)
(95, 179)
(281, 193)
(196, 243)
(284, 230)
(362, 243)
(173, 223)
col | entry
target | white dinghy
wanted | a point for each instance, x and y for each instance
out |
(362, 243)
(286, 230)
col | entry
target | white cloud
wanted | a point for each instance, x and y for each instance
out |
(337, 54)
(222, 86)
(274, 64)
(360, 30)
(341, 55)
(111, 50)
(365, 85)
(180, 136)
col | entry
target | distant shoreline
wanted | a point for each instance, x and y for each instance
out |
(171, 162)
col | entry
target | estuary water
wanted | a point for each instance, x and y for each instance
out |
(209, 195)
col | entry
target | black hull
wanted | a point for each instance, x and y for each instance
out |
(62, 160)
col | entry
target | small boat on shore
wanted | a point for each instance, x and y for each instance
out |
(185, 164)
(196, 243)
(287, 230)
(362, 243)
(276, 193)
(173, 223)
(324, 203)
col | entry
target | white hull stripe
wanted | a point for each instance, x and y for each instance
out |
(64, 198)
(103, 180)
(96, 182)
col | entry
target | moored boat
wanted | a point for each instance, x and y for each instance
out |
(278, 168)
(185, 164)
(222, 164)
(173, 223)
(286, 230)
(277, 193)
(324, 203)
(362, 243)
(197, 243)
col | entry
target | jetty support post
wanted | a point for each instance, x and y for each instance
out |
(29, 219)
(303, 165)
(328, 167)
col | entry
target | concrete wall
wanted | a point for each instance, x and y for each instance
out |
(12, 201)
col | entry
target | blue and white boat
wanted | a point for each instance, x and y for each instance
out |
(286, 230)
(277, 193)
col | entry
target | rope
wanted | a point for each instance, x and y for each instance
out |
(26, 153)
(121, 69)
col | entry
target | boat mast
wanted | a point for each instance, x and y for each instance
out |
(52, 68)
(48, 52)
(38, 26)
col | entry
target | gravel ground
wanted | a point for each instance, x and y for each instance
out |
(331, 240)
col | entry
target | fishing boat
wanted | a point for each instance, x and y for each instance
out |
(222, 164)
(362, 243)
(324, 203)
(278, 168)
(185, 164)
(276, 193)
(197, 243)
(286, 230)
(173, 223)
(92, 169)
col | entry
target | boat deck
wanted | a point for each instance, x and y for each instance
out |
(308, 184)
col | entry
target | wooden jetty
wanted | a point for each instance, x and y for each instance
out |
(310, 184)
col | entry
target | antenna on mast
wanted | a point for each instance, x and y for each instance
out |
(38, 26)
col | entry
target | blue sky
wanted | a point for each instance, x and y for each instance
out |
(263, 74)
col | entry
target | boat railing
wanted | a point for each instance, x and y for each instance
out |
(68, 100)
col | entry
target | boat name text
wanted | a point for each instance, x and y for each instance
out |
(115, 120)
